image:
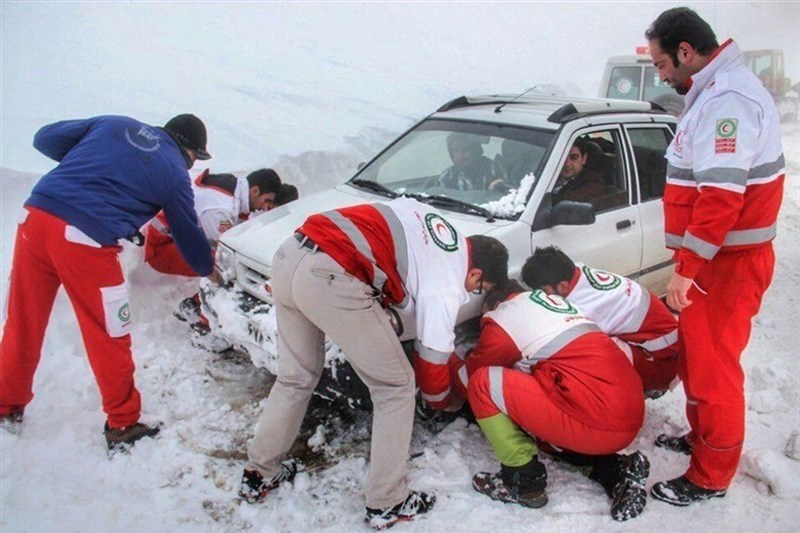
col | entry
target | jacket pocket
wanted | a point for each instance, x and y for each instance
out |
(116, 306)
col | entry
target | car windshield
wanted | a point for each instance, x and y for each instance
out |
(485, 169)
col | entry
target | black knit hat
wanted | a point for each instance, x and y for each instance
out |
(190, 132)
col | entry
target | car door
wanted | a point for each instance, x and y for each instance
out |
(648, 144)
(614, 241)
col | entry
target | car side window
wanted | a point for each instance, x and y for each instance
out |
(593, 172)
(649, 147)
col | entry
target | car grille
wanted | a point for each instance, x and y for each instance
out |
(253, 281)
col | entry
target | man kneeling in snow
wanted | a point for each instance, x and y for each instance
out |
(542, 368)
(221, 202)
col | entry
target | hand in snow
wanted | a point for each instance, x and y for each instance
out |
(677, 288)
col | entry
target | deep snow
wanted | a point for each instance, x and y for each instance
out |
(56, 475)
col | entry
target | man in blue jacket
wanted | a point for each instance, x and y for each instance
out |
(114, 174)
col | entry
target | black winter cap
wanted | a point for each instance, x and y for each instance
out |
(190, 132)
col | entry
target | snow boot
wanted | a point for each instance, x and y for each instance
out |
(524, 485)
(121, 439)
(12, 422)
(674, 444)
(682, 492)
(415, 504)
(254, 488)
(628, 494)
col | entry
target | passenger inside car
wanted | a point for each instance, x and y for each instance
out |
(589, 175)
(515, 161)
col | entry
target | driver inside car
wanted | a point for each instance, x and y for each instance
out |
(470, 169)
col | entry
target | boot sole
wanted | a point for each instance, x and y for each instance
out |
(681, 503)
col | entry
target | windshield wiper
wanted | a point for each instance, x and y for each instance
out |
(374, 186)
(459, 205)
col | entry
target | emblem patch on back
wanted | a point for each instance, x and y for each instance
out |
(601, 280)
(552, 302)
(443, 234)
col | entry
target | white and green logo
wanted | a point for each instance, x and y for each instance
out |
(443, 234)
(726, 128)
(552, 302)
(601, 280)
(124, 313)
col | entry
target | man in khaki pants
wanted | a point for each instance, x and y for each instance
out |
(335, 277)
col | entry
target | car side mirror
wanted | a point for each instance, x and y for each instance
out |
(564, 213)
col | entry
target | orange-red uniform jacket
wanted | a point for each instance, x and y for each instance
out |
(586, 375)
(415, 260)
(625, 310)
(726, 166)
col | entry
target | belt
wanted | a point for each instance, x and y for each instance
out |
(305, 242)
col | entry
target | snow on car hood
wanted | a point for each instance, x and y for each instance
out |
(259, 238)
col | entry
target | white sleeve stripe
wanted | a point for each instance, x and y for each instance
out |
(654, 345)
(436, 397)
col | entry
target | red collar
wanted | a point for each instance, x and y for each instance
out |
(690, 80)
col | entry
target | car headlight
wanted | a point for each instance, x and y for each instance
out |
(225, 263)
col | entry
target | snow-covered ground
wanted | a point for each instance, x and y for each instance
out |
(56, 475)
(325, 100)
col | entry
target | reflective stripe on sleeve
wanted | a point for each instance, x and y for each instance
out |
(432, 356)
(654, 345)
(704, 249)
(433, 398)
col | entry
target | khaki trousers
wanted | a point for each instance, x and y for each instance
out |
(314, 296)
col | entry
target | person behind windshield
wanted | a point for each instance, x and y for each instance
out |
(470, 170)
(576, 182)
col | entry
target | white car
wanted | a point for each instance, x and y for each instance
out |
(520, 145)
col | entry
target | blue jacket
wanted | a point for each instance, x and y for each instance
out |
(114, 174)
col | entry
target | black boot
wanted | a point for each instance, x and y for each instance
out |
(524, 485)
(674, 444)
(254, 488)
(12, 422)
(682, 492)
(121, 439)
(415, 504)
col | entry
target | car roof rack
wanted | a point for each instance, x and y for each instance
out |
(570, 109)
(601, 107)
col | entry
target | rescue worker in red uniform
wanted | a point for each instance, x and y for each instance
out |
(335, 277)
(114, 174)
(724, 188)
(542, 368)
(221, 201)
(624, 310)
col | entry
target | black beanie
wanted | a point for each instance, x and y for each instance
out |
(190, 132)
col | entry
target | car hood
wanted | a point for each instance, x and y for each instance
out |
(258, 238)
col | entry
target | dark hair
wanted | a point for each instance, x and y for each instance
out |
(681, 24)
(501, 292)
(547, 266)
(286, 194)
(266, 179)
(581, 144)
(489, 254)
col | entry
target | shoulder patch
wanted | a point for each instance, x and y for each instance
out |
(725, 139)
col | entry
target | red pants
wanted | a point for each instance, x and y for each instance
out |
(161, 253)
(656, 374)
(714, 331)
(47, 254)
(527, 404)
